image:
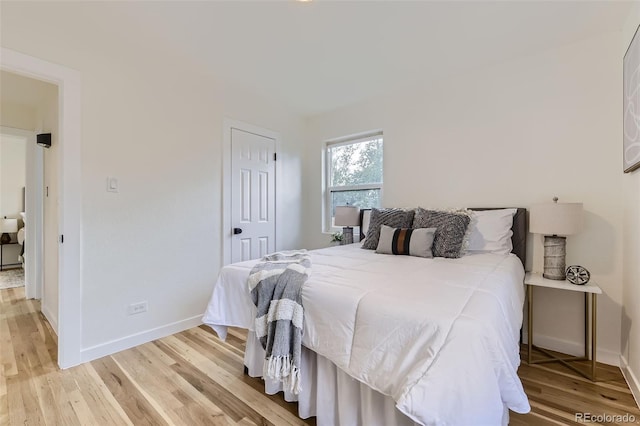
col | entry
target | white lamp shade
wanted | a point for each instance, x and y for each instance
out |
(555, 218)
(347, 216)
(9, 226)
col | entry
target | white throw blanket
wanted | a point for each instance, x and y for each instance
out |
(275, 284)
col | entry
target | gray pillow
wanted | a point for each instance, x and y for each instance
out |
(396, 218)
(406, 241)
(450, 230)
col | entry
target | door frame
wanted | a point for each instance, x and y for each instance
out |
(70, 201)
(33, 208)
(227, 125)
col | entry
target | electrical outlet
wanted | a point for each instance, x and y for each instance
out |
(137, 308)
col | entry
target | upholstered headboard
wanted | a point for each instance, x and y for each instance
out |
(520, 229)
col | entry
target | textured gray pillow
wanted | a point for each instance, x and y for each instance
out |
(406, 241)
(450, 230)
(395, 218)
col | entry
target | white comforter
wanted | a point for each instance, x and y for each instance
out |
(439, 336)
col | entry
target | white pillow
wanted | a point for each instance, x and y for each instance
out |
(491, 231)
(366, 219)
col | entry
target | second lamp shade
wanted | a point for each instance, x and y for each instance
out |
(347, 216)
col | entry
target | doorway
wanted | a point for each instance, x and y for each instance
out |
(249, 224)
(20, 172)
(69, 178)
(30, 107)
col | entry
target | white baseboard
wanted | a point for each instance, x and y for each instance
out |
(573, 348)
(53, 320)
(632, 379)
(108, 348)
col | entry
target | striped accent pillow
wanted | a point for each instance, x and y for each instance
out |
(406, 241)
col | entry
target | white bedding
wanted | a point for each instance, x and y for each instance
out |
(440, 336)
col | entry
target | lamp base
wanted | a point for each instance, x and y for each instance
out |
(554, 257)
(347, 233)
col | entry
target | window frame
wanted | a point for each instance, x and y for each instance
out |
(327, 169)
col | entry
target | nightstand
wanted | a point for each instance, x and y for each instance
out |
(591, 291)
(2, 255)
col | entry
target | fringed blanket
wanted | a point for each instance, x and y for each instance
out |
(275, 284)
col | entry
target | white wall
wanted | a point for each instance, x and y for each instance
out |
(17, 116)
(12, 175)
(512, 135)
(155, 123)
(631, 245)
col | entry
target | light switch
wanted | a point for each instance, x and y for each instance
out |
(112, 184)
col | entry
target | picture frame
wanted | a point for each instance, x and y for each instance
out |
(631, 106)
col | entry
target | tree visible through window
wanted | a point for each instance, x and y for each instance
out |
(354, 174)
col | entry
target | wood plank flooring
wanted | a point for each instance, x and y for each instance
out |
(556, 393)
(192, 378)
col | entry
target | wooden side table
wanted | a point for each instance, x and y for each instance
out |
(591, 291)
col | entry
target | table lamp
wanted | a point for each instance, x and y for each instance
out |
(8, 226)
(347, 216)
(555, 221)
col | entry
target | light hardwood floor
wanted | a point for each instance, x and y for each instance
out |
(192, 378)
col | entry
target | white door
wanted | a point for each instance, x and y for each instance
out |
(253, 224)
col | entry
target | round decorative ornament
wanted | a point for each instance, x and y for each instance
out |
(577, 274)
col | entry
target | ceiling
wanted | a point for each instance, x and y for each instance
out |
(319, 56)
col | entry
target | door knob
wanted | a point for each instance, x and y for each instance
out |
(237, 231)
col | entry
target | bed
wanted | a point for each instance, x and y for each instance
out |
(397, 339)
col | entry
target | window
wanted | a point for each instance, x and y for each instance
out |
(353, 170)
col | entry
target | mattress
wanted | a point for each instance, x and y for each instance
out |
(439, 336)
